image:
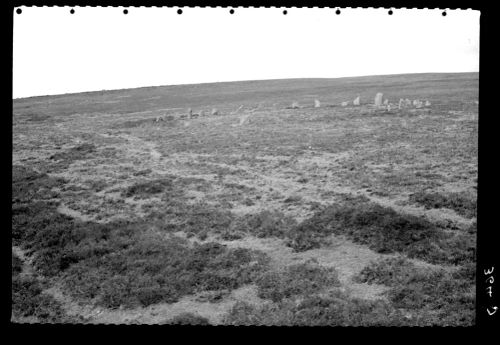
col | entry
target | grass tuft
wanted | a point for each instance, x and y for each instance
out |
(148, 188)
(75, 153)
(385, 231)
(189, 319)
(461, 203)
(28, 185)
(381, 228)
(265, 224)
(296, 280)
(198, 219)
(152, 271)
(337, 309)
(29, 299)
(126, 263)
(17, 265)
(433, 296)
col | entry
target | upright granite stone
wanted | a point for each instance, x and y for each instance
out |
(401, 103)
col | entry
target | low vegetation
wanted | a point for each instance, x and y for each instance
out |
(381, 228)
(62, 160)
(452, 249)
(29, 302)
(300, 280)
(122, 264)
(461, 203)
(29, 185)
(418, 297)
(150, 188)
(385, 231)
(191, 319)
(152, 271)
(135, 123)
(431, 296)
(17, 265)
(309, 164)
(36, 117)
(265, 224)
(164, 120)
(126, 263)
(198, 220)
(337, 309)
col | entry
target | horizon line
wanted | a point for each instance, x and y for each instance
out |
(235, 81)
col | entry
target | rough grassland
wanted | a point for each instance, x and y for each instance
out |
(420, 291)
(261, 214)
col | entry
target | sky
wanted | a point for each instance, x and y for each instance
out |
(55, 52)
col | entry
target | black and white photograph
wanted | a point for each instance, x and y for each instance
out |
(245, 166)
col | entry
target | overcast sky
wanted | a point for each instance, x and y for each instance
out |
(57, 52)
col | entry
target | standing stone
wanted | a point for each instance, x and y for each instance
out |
(378, 99)
(415, 102)
(214, 112)
(243, 119)
(190, 112)
(401, 103)
(317, 104)
(427, 103)
(295, 105)
(356, 101)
